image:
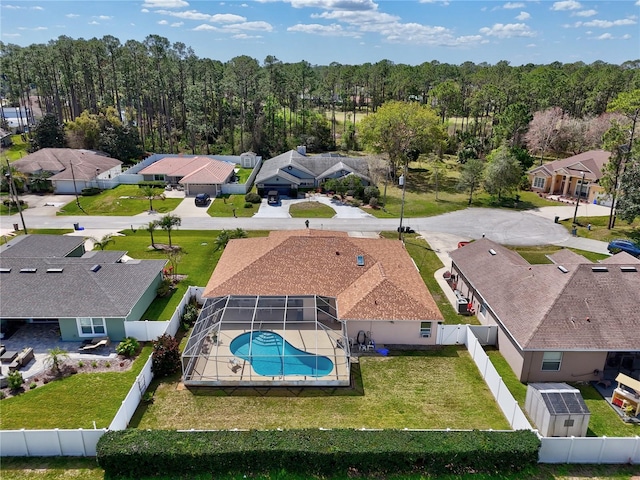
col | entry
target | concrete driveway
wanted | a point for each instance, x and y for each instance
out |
(282, 210)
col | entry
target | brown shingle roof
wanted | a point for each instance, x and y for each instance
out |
(314, 262)
(545, 309)
(59, 160)
(592, 162)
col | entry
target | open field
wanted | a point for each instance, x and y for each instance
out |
(123, 200)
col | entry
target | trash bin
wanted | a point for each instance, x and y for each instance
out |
(574, 232)
(557, 219)
(16, 227)
(76, 226)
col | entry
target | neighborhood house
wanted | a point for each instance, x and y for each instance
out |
(570, 320)
(52, 279)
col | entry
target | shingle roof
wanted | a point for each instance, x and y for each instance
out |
(203, 170)
(316, 166)
(592, 162)
(545, 309)
(59, 286)
(59, 161)
(314, 262)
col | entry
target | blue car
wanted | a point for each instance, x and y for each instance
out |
(622, 245)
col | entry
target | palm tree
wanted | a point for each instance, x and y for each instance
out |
(168, 222)
(149, 193)
(103, 242)
(150, 228)
(55, 358)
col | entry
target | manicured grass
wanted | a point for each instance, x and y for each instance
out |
(603, 421)
(405, 389)
(124, 200)
(243, 174)
(73, 402)
(599, 230)
(17, 150)
(224, 206)
(311, 210)
(428, 262)
(5, 210)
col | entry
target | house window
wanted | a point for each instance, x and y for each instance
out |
(425, 329)
(538, 182)
(91, 326)
(483, 309)
(551, 361)
(159, 177)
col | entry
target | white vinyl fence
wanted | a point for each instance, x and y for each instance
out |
(132, 400)
(590, 450)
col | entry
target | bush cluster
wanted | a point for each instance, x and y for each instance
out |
(165, 359)
(190, 315)
(134, 453)
(90, 191)
(252, 197)
(128, 347)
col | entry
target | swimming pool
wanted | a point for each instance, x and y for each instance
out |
(271, 355)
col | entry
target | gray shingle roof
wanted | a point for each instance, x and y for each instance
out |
(546, 309)
(59, 160)
(40, 246)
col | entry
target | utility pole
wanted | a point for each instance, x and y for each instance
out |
(575, 213)
(403, 181)
(13, 192)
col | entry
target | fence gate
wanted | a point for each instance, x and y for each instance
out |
(452, 334)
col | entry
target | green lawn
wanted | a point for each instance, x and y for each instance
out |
(73, 402)
(15, 151)
(311, 210)
(603, 421)
(243, 174)
(405, 389)
(599, 230)
(124, 200)
(428, 262)
(225, 205)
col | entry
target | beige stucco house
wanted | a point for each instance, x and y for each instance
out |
(570, 320)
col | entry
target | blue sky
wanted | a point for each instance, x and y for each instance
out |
(348, 31)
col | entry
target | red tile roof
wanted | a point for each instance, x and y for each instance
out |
(202, 170)
(315, 262)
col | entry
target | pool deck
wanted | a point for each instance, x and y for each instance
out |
(219, 367)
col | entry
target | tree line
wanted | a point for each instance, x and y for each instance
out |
(174, 101)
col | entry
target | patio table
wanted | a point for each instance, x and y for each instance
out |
(8, 356)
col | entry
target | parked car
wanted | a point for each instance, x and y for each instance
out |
(202, 199)
(623, 245)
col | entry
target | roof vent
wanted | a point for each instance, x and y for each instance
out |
(562, 269)
(96, 267)
(55, 270)
(492, 251)
(5, 270)
(360, 260)
(28, 270)
(628, 268)
(599, 269)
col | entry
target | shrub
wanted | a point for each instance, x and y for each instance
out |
(2, 395)
(135, 453)
(373, 202)
(80, 364)
(33, 385)
(370, 192)
(94, 364)
(12, 203)
(128, 347)
(190, 315)
(248, 205)
(15, 380)
(165, 359)
(90, 191)
(165, 287)
(252, 197)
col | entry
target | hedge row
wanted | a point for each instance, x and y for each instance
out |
(136, 453)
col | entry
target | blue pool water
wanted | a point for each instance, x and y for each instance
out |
(271, 355)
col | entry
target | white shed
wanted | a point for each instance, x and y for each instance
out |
(557, 410)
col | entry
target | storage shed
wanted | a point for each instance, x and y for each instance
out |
(557, 410)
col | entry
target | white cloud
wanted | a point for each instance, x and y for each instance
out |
(585, 13)
(145, 10)
(566, 5)
(253, 26)
(102, 17)
(204, 27)
(94, 23)
(323, 30)
(347, 5)
(13, 7)
(177, 24)
(608, 23)
(605, 36)
(638, 3)
(195, 15)
(444, 3)
(532, 45)
(523, 16)
(626, 36)
(72, 15)
(163, 22)
(513, 5)
(244, 36)
(37, 8)
(33, 29)
(509, 30)
(11, 35)
(165, 4)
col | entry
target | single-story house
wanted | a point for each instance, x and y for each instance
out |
(52, 279)
(319, 291)
(292, 170)
(568, 320)
(71, 169)
(565, 177)
(198, 174)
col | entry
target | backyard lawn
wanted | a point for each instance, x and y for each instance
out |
(17, 150)
(73, 402)
(311, 210)
(437, 388)
(124, 200)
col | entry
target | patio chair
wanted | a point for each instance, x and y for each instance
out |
(603, 381)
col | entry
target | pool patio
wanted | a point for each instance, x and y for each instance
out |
(208, 360)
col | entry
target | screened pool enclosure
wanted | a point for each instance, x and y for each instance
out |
(267, 341)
